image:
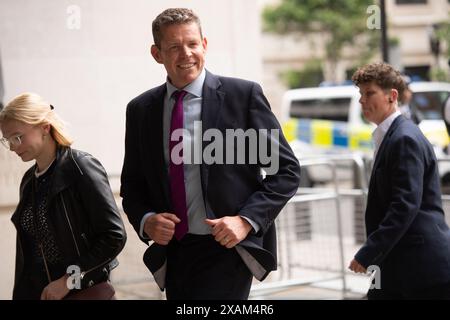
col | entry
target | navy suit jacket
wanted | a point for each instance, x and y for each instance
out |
(407, 236)
(230, 189)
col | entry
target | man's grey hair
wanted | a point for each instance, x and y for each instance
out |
(170, 17)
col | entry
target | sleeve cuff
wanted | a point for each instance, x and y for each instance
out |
(254, 225)
(141, 228)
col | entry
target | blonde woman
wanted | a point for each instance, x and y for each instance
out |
(67, 221)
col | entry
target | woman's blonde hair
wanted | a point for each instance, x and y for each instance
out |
(32, 109)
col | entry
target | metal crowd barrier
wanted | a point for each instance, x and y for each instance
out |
(319, 230)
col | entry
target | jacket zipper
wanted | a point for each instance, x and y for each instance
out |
(76, 245)
(70, 226)
(93, 268)
(86, 241)
(45, 263)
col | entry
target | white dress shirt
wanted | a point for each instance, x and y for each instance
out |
(381, 130)
(192, 107)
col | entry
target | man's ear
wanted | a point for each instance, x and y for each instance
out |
(154, 50)
(393, 96)
(205, 44)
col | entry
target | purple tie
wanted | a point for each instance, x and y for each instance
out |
(176, 171)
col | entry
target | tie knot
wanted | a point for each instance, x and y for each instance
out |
(179, 94)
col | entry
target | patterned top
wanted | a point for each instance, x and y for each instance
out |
(40, 231)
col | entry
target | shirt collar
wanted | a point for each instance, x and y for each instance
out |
(383, 127)
(195, 87)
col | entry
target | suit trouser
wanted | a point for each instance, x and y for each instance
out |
(198, 267)
(436, 292)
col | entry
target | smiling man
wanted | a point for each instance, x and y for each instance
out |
(407, 236)
(212, 223)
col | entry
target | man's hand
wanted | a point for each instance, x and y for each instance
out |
(229, 230)
(160, 227)
(56, 290)
(355, 266)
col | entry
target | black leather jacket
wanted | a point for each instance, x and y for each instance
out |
(88, 227)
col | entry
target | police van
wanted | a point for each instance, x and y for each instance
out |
(329, 121)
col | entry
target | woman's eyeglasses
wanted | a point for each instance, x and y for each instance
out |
(14, 141)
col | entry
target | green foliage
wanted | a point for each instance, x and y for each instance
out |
(349, 72)
(344, 21)
(394, 42)
(310, 76)
(439, 74)
(443, 34)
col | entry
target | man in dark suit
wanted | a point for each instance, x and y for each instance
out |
(211, 219)
(407, 236)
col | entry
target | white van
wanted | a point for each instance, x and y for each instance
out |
(328, 120)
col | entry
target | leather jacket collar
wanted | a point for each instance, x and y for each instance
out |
(65, 173)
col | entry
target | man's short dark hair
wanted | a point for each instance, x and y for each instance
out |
(382, 74)
(170, 17)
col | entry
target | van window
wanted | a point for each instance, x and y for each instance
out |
(335, 109)
(428, 105)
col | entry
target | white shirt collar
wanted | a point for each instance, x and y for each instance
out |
(379, 133)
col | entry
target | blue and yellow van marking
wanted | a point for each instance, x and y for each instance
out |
(327, 134)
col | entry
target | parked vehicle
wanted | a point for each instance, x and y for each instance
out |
(329, 121)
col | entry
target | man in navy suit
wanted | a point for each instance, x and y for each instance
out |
(407, 236)
(212, 221)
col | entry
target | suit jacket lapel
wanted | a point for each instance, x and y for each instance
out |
(153, 138)
(211, 106)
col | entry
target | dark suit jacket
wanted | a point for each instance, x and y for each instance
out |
(408, 237)
(231, 189)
